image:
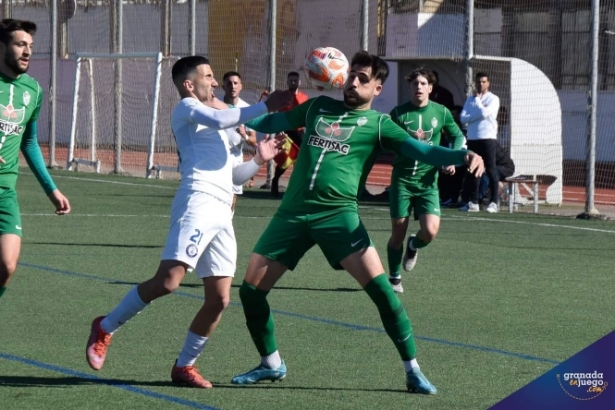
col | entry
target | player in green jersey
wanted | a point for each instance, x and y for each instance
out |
(415, 184)
(20, 103)
(341, 140)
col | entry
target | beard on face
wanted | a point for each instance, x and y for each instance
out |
(13, 63)
(354, 100)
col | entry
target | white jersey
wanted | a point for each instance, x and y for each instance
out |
(235, 139)
(480, 115)
(205, 161)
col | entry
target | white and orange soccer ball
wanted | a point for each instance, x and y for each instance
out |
(326, 68)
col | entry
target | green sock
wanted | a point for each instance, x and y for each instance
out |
(259, 318)
(417, 243)
(394, 260)
(393, 316)
(2, 290)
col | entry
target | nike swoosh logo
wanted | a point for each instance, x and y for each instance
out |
(408, 122)
(407, 337)
(18, 227)
(321, 110)
(436, 209)
(353, 244)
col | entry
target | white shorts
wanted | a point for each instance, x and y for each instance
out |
(238, 189)
(201, 234)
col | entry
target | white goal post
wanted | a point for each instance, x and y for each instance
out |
(86, 124)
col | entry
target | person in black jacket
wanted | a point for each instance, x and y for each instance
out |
(504, 165)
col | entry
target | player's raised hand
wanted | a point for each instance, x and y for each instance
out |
(60, 202)
(278, 99)
(475, 163)
(269, 147)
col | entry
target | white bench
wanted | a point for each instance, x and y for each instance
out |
(530, 184)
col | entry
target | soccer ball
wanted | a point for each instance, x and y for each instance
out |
(326, 68)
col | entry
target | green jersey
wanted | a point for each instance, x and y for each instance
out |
(426, 125)
(20, 104)
(337, 152)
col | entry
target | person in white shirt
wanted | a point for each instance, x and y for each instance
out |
(240, 137)
(479, 114)
(201, 236)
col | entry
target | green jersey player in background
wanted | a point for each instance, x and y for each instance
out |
(20, 103)
(415, 184)
(341, 140)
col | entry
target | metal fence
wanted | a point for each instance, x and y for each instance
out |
(570, 42)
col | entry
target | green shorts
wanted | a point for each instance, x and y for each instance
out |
(10, 217)
(405, 197)
(338, 233)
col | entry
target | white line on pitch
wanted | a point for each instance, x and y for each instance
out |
(132, 216)
(102, 215)
(109, 182)
(465, 218)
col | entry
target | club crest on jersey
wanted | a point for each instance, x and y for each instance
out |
(192, 250)
(434, 122)
(330, 136)
(26, 98)
(10, 118)
(362, 121)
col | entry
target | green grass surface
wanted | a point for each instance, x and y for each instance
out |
(495, 302)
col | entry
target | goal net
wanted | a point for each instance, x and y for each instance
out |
(115, 122)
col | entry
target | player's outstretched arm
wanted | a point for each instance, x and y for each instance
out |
(282, 121)
(440, 156)
(220, 119)
(266, 150)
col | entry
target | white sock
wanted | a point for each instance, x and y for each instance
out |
(411, 365)
(128, 308)
(273, 361)
(193, 346)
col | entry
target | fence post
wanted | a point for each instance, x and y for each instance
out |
(53, 84)
(192, 27)
(365, 28)
(592, 106)
(273, 4)
(117, 37)
(7, 9)
(469, 51)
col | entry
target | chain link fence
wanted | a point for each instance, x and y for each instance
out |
(539, 53)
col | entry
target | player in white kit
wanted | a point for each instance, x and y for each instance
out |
(201, 234)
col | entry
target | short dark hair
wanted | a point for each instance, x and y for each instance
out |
(8, 26)
(186, 66)
(230, 74)
(481, 75)
(431, 79)
(380, 69)
(292, 74)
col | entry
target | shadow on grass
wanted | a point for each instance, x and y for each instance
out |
(37, 381)
(182, 285)
(260, 194)
(282, 386)
(200, 285)
(61, 382)
(104, 245)
(311, 289)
